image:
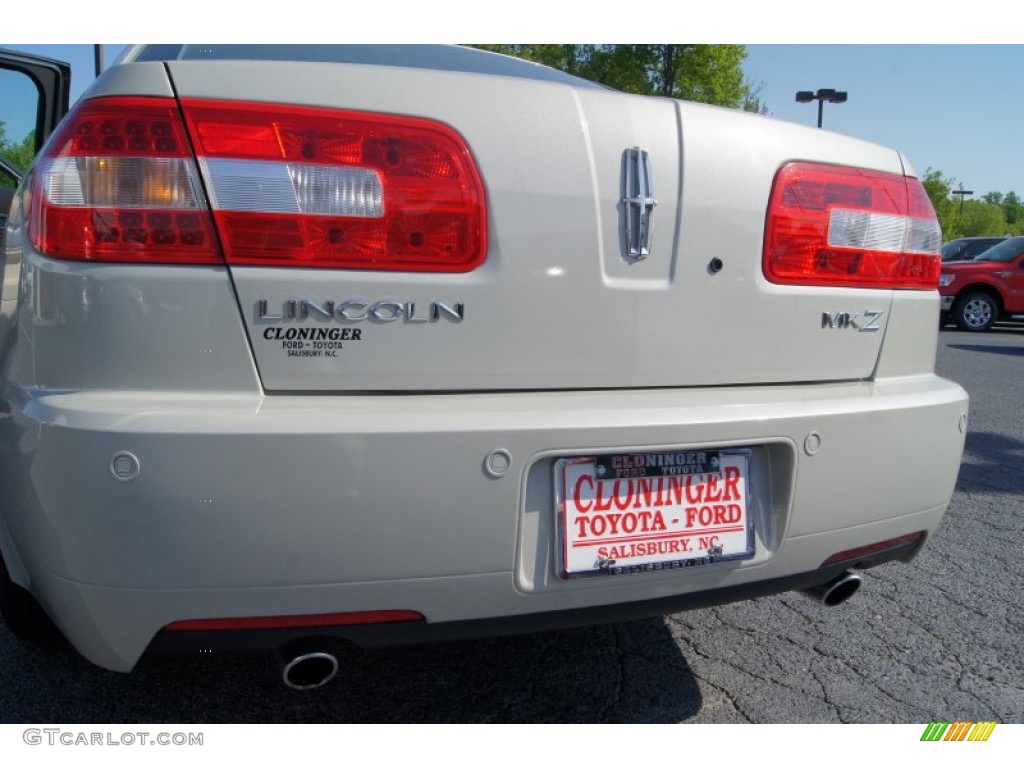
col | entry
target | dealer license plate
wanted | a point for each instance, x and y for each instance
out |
(633, 512)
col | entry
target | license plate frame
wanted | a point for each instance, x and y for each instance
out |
(652, 510)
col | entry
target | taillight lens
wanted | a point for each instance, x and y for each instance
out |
(838, 226)
(300, 186)
(118, 183)
(287, 186)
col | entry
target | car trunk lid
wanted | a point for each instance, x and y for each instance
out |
(559, 301)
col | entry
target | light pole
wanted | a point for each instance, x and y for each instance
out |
(822, 95)
(962, 192)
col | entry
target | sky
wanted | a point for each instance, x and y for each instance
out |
(951, 108)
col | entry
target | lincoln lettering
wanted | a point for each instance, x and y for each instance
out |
(358, 310)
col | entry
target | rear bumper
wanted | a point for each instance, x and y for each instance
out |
(411, 633)
(287, 505)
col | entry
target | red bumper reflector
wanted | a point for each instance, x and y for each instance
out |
(871, 549)
(285, 622)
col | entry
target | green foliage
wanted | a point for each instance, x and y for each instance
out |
(939, 188)
(23, 153)
(980, 218)
(997, 213)
(18, 153)
(712, 74)
(752, 101)
(1013, 209)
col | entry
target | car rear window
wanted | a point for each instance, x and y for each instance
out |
(452, 58)
(1008, 250)
(968, 248)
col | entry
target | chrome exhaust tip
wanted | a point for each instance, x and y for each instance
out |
(837, 591)
(310, 670)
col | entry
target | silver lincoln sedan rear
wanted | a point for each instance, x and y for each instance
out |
(392, 345)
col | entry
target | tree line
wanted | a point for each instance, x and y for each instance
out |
(18, 153)
(995, 213)
(710, 74)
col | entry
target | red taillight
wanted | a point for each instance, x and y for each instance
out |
(284, 622)
(837, 226)
(118, 183)
(287, 186)
(298, 186)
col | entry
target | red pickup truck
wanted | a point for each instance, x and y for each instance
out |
(991, 287)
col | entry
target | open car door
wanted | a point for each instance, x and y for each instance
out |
(35, 97)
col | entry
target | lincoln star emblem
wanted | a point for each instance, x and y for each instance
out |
(637, 202)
